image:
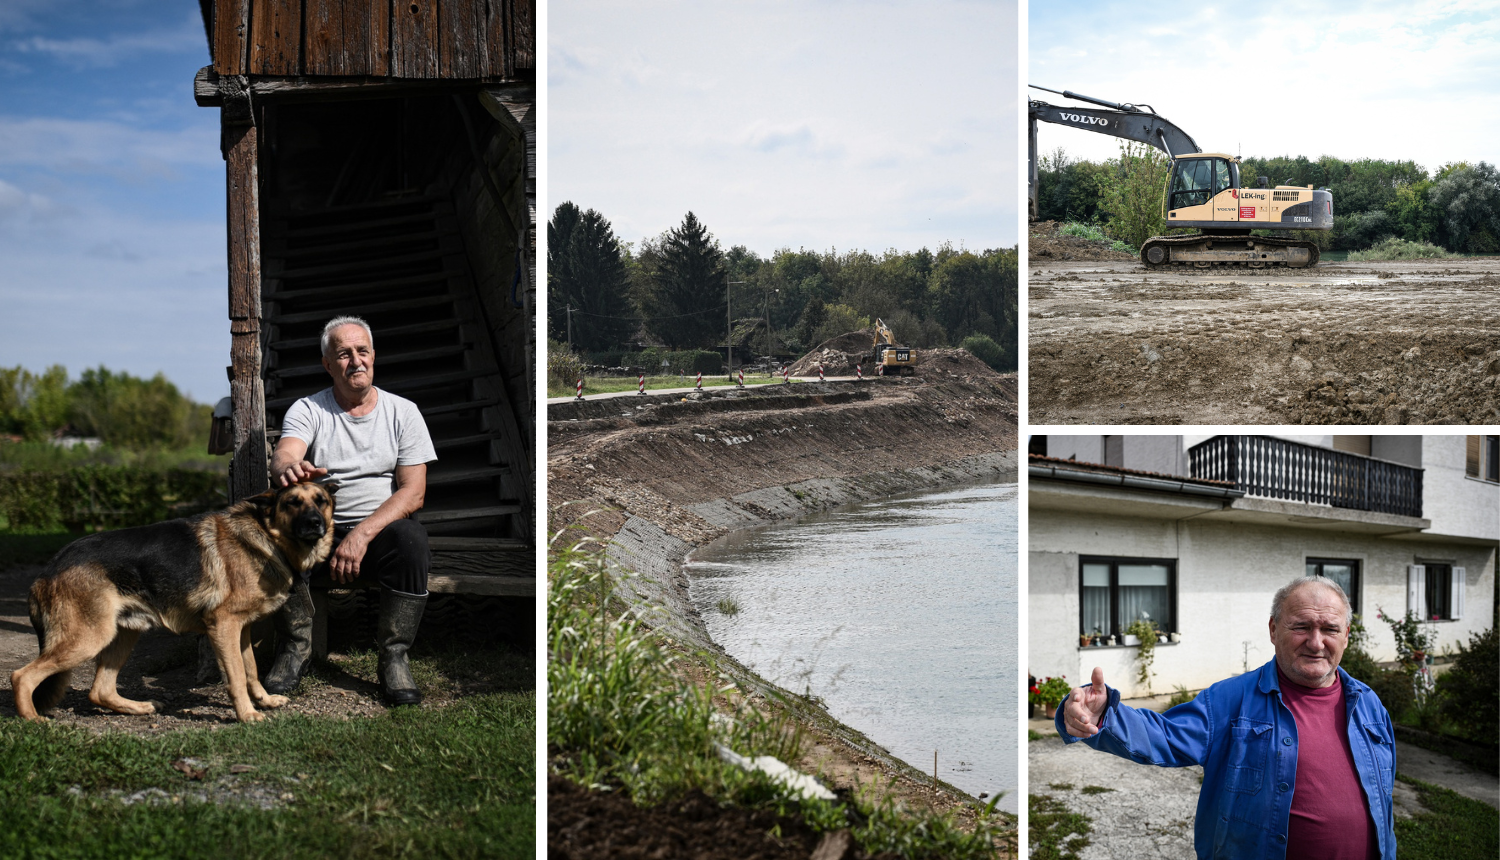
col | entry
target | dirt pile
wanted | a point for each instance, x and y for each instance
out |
(837, 355)
(1045, 243)
(1399, 342)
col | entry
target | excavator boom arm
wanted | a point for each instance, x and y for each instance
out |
(1128, 122)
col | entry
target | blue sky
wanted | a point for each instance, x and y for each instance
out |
(111, 193)
(1412, 80)
(842, 124)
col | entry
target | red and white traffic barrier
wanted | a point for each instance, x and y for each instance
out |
(880, 371)
(742, 377)
(859, 373)
(785, 377)
(580, 388)
(820, 373)
(642, 383)
(700, 380)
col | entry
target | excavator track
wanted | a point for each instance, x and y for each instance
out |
(1217, 252)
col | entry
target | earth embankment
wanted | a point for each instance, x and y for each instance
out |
(659, 476)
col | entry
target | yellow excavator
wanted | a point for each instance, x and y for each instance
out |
(1203, 192)
(889, 357)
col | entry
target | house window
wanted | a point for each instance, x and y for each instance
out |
(1344, 571)
(1435, 591)
(1113, 592)
(1439, 592)
(1482, 459)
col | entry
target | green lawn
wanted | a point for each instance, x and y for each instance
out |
(451, 782)
(1454, 828)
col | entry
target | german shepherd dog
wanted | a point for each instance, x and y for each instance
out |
(213, 573)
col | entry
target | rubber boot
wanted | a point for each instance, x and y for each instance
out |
(294, 628)
(400, 616)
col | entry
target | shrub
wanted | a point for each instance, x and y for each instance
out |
(564, 368)
(1469, 695)
(984, 348)
(1399, 249)
(97, 496)
(1181, 696)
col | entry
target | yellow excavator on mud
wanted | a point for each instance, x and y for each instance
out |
(889, 357)
(1203, 192)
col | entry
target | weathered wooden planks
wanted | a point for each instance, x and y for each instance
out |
(276, 37)
(412, 39)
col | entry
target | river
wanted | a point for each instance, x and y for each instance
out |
(899, 614)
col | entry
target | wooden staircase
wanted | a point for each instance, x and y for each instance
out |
(401, 265)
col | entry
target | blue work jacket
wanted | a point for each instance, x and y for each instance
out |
(1245, 738)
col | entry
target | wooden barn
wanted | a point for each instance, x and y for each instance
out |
(380, 161)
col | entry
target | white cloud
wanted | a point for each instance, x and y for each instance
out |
(1378, 79)
(879, 125)
(93, 53)
(118, 149)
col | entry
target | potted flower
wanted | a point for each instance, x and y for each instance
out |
(1050, 692)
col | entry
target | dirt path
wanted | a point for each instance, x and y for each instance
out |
(1413, 342)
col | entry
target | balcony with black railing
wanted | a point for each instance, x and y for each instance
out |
(1293, 471)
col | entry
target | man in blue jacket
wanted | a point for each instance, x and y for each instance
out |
(1299, 759)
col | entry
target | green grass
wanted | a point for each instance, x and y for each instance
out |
(1454, 828)
(609, 384)
(453, 782)
(1094, 789)
(1095, 233)
(1033, 735)
(1056, 833)
(619, 716)
(727, 607)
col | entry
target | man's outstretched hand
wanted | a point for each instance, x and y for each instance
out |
(298, 472)
(1085, 707)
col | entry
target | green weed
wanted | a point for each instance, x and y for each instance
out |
(1399, 249)
(1056, 833)
(1454, 827)
(619, 716)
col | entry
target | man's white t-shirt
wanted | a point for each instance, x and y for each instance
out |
(360, 453)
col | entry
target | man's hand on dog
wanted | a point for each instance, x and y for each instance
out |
(299, 472)
(1085, 707)
(343, 565)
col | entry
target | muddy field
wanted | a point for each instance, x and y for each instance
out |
(1408, 342)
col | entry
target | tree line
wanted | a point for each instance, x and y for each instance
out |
(1456, 208)
(122, 410)
(680, 289)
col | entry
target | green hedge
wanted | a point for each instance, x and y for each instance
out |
(97, 496)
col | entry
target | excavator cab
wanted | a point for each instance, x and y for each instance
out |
(1205, 192)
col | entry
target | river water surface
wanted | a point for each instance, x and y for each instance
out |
(899, 614)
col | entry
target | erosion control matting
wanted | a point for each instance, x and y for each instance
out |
(1406, 342)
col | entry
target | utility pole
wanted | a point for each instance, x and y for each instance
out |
(570, 326)
(729, 323)
(770, 338)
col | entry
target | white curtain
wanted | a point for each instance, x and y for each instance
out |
(1143, 594)
(1458, 593)
(1095, 598)
(1416, 590)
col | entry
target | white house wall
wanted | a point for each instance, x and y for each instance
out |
(1226, 576)
(1455, 503)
